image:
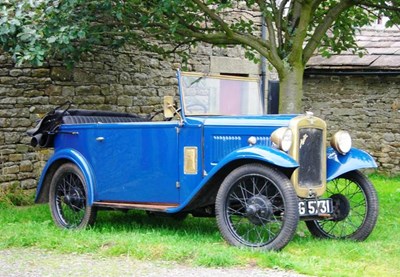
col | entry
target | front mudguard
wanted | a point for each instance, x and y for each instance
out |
(338, 164)
(59, 158)
(262, 154)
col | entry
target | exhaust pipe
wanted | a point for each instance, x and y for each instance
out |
(36, 140)
(40, 139)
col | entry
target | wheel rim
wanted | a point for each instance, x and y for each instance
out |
(70, 200)
(254, 210)
(349, 208)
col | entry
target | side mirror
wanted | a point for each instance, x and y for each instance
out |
(169, 109)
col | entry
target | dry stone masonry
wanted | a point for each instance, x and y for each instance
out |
(125, 81)
(367, 106)
(135, 82)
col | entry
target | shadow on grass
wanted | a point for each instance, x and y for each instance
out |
(139, 220)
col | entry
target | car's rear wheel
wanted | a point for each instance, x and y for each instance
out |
(355, 207)
(256, 206)
(68, 198)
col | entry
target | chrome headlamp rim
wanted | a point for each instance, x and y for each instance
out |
(341, 141)
(282, 138)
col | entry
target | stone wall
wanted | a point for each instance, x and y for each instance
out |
(125, 80)
(135, 82)
(366, 106)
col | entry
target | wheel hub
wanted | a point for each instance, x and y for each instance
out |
(341, 207)
(67, 199)
(74, 201)
(259, 209)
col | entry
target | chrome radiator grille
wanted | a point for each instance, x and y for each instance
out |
(309, 150)
(310, 157)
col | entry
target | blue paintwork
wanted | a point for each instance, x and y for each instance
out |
(190, 135)
(144, 161)
(224, 135)
(259, 153)
(136, 161)
(338, 164)
(266, 121)
(79, 160)
(202, 132)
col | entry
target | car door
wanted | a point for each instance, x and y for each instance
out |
(136, 162)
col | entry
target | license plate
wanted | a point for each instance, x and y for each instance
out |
(315, 207)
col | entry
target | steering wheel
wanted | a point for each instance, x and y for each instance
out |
(196, 107)
(191, 108)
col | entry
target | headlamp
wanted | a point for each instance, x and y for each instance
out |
(282, 138)
(341, 142)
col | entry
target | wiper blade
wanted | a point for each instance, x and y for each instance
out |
(196, 81)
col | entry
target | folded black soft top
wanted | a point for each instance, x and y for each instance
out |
(81, 112)
(43, 134)
(95, 116)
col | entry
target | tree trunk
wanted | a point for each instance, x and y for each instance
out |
(291, 90)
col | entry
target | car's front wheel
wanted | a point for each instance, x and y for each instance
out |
(256, 206)
(355, 207)
(68, 198)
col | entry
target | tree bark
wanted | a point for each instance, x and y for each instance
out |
(291, 90)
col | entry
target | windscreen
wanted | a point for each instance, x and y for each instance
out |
(220, 95)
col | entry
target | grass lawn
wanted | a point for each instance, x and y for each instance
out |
(197, 241)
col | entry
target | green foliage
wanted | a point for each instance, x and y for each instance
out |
(37, 30)
(196, 241)
(343, 32)
(34, 31)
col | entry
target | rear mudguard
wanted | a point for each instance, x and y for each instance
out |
(263, 154)
(72, 156)
(338, 164)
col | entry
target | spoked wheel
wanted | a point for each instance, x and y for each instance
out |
(355, 207)
(256, 206)
(68, 198)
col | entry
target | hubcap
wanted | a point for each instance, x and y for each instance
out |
(67, 199)
(341, 207)
(73, 200)
(259, 209)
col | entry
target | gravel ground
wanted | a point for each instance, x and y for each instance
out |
(33, 262)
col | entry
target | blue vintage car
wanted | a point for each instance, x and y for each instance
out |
(215, 154)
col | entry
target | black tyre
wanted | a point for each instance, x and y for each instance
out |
(68, 198)
(256, 206)
(355, 205)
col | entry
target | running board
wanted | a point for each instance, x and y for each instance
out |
(156, 207)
